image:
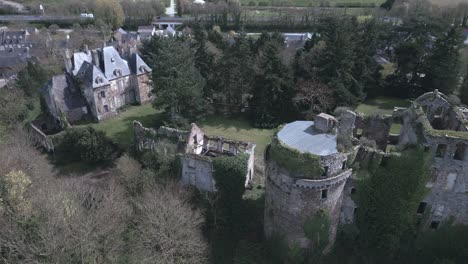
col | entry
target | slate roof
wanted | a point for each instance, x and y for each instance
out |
(302, 135)
(78, 59)
(91, 76)
(61, 95)
(137, 65)
(114, 65)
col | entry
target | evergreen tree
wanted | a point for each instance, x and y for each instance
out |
(204, 60)
(442, 67)
(178, 84)
(464, 90)
(273, 89)
(235, 74)
(336, 63)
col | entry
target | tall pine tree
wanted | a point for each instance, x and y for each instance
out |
(178, 85)
(443, 65)
(273, 90)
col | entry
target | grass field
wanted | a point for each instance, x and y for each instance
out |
(120, 128)
(238, 128)
(310, 2)
(383, 106)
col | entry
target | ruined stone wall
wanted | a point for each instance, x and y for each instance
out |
(447, 199)
(40, 138)
(378, 128)
(198, 171)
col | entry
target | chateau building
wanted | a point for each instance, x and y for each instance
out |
(97, 83)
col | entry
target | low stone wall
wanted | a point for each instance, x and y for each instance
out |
(41, 138)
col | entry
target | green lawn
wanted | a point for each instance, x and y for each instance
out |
(381, 105)
(120, 128)
(238, 128)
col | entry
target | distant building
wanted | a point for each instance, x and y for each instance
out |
(146, 32)
(97, 82)
(16, 48)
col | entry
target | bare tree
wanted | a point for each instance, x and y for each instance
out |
(169, 230)
(314, 97)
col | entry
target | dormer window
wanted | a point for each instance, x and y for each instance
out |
(142, 69)
(102, 95)
(99, 80)
(112, 60)
(117, 72)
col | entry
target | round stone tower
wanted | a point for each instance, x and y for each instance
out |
(294, 195)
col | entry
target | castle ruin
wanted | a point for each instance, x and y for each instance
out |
(197, 151)
(432, 122)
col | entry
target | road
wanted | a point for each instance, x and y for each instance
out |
(29, 18)
(15, 5)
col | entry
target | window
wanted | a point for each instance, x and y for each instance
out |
(427, 148)
(344, 166)
(435, 224)
(106, 108)
(325, 171)
(459, 152)
(355, 210)
(102, 94)
(324, 194)
(421, 208)
(353, 190)
(441, 149)
(195, 141)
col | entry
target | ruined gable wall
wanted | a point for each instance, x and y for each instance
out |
(198, 171)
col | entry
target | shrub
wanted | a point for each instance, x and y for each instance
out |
(85, 144)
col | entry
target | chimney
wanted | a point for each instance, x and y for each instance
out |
(68, 62)
(95, 58)
(325, 123)
(86, 50)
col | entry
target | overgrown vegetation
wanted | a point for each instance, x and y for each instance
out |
(305, 165)
(84, 144)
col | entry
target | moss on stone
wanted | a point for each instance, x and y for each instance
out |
(305, 165)
(422, 118)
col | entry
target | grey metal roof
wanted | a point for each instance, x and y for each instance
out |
(301, 135)
(137, 65)
(114, 65)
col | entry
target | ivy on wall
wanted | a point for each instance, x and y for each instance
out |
(389, 198)
(317, 228)
(229, 174)
(304, 164)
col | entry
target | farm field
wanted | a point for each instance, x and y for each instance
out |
(303, 3)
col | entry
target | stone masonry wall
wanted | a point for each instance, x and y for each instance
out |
(289, 202)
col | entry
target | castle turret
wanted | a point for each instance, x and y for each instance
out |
(306, 172)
